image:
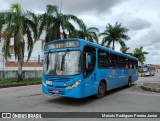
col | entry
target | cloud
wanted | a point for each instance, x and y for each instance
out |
(148, 38)
(78, 6)
(131, 22)
(138, 24)
(82, 6)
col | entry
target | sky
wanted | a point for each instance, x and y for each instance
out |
(141, 17)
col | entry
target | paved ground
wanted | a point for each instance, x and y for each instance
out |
(30, 98)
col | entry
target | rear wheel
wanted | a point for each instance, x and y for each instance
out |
(101, 90)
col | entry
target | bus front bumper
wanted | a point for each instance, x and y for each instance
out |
(73, 93)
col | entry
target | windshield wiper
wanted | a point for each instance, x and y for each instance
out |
(63, 59)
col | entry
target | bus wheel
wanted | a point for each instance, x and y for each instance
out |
(129, 82)
(101, 90)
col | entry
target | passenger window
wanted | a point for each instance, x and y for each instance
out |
(89, 60)
(103, 59)
(121, 62)
(126, 63)
(132, 64)
(113, 60)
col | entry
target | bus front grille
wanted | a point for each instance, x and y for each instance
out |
(55, 79)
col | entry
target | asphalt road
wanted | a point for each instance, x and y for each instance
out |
(133, 99)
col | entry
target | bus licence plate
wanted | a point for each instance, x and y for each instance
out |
(55, 91)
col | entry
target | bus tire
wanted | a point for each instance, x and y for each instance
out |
(129, 82)
(101, 90)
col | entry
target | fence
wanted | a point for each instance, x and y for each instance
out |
(26, 74)
(31, 69)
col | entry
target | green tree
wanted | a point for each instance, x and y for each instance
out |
(2, 22)
(52, 20)
(125, 50)
(140, 54)
(17, 24)
(89, 34)
(113, 34)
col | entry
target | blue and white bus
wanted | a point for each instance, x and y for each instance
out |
(147, 70)
(77, 68)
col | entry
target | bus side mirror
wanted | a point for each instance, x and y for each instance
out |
(88, 60)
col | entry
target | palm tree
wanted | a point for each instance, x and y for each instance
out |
(52, 20)
(140, 54)
(17, 24)
(2, 21)
(89, 34)
(113, 34)
(124, 49)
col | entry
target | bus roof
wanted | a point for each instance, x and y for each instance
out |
(95, 45)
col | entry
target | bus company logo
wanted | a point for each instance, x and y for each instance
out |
(6, 115)
(112, 73)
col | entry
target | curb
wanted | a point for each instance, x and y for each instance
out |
(17, 85)
(144, 87)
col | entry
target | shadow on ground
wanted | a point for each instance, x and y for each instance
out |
(84, 101)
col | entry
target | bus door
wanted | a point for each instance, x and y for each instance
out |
(113, 76)
(125, 70)
(89, 63)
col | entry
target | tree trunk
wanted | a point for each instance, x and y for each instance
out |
(64, 34)
(20, 77)
(20, 61)
(113, 44)
(58, 31)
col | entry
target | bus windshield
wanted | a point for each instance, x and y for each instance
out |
(62, 63)
(143, 69)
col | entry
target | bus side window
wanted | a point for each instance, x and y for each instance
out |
(113, 60)
(103, 59)
(120, 62)
(126, 63)
(89, 60)
(129, 66)
(132, 64)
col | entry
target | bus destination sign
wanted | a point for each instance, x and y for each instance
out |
(62, 44)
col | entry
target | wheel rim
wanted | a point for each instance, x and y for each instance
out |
(101, 89)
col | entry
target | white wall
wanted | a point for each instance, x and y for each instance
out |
(2, 64)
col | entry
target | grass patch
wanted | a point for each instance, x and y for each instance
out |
(10, 81)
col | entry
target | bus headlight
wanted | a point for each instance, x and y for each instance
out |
(74, 85)
(44, 83)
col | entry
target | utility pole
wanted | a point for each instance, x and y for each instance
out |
(61, 5)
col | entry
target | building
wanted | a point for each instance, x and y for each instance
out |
(36, 60)
(32, 64)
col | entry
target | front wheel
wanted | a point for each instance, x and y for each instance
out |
(101, 90)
